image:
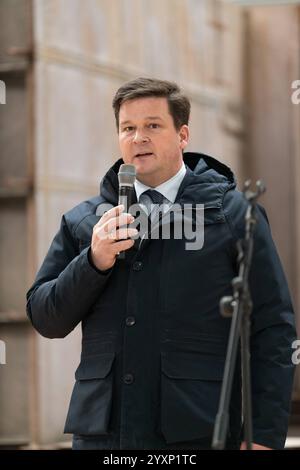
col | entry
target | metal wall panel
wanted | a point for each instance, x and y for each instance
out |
(272, 66)
(274, 133)
(13, 161)
(15, 32)
(13, 243)
(15, 188)
(14, 385)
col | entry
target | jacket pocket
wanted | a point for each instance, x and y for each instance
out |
(91, 400)
(190, 392)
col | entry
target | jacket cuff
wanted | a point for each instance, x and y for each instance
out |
(99, 271)
(269, 440)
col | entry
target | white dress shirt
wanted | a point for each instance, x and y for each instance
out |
(168, 189)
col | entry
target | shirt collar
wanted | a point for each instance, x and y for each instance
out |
(168, 189)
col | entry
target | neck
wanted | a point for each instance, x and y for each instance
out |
(152, 182)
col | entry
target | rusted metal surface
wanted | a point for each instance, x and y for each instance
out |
(14, 386)
(274, 131)
(15, 189)
(15, 32)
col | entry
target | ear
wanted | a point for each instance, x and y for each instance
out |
(184, 135)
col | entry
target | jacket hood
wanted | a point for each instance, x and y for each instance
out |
(206, 180)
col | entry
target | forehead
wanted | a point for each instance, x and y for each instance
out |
(142, 108)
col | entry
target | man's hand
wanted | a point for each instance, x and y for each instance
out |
(105, 244)
(254, 447)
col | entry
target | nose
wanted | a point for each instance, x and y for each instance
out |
(140, 137)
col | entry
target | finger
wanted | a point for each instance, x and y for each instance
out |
(123, 233)
(113, 235)
(122, 245)
(115, 222)
(102, 235)
(113, 212)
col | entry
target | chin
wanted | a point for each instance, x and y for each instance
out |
(143, 169)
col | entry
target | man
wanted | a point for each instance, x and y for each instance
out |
(153, 339)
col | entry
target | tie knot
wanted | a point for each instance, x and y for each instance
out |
(155, 196)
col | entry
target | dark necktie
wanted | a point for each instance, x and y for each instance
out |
(156, 199)
(155, 196)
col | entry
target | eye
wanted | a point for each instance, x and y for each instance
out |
(154, 125)
(128, 129)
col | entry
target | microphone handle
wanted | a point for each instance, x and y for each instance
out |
(125, 198)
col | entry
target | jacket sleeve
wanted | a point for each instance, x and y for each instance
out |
(272, 329)
(65, 288)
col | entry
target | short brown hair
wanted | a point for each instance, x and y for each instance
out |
(179, 105)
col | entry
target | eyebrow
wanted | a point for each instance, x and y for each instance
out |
(147, 117)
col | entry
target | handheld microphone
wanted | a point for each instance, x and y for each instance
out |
(126, 177)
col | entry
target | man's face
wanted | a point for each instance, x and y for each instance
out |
(148, 139)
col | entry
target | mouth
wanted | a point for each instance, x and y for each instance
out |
(143, 154)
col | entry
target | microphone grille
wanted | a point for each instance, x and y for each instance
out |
(127, 174)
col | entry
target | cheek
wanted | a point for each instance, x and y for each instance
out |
(171, 147)
(123, 144)
(125, 150)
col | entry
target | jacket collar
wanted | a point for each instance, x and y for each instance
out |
(206, 180)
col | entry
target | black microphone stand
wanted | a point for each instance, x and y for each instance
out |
(239, 307)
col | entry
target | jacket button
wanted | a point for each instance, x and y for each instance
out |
(128, 379)
(137, 266)
(130, 321)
